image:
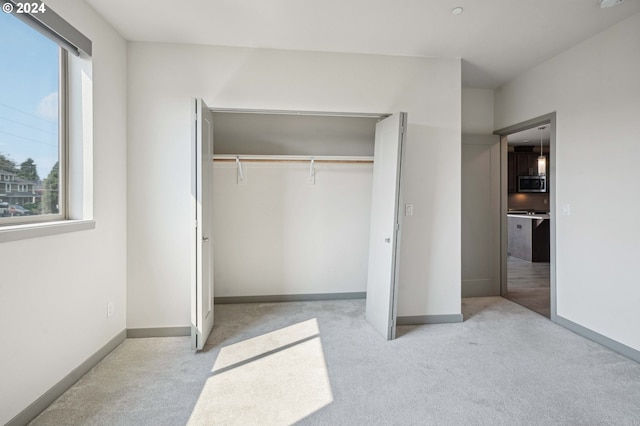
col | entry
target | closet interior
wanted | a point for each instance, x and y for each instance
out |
(292, 202)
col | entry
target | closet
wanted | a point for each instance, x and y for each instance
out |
(295, 212)
(291, 206)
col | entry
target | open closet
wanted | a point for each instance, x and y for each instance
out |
(303, 206)
(292, 206)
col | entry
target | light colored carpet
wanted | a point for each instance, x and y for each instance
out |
(319, 363)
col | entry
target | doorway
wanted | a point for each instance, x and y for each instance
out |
(528, 214)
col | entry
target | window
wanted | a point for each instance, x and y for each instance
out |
(49, 176)
(32, 143)
(47, 56)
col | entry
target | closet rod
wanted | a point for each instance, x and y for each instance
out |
(290, 159)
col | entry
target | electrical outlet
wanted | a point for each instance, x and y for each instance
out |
(109, 309)
(408, 209)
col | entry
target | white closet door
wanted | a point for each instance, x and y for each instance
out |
(202, 287)
(385, 224)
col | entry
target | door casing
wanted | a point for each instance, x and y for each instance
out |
(549, 119)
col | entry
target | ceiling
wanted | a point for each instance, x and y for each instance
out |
(496, 39)
(530, 137)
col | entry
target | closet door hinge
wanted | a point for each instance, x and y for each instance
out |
(196, 223)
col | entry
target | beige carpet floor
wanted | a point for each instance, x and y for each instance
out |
(319, 363)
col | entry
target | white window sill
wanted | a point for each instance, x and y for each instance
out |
(45, 229)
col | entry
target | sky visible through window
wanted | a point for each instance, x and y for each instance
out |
(29, 78)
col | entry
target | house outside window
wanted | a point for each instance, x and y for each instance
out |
(32, 120)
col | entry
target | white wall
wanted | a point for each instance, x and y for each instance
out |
(595, 90)
(477, 111)
(164, 77)
(54, 290)
(480, 215)
(480, 195)
(277, 234)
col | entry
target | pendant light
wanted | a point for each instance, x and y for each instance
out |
(542, 160)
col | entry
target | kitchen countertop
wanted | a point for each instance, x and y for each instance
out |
(530, 216)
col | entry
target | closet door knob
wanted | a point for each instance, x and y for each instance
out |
(205, 239)
(387, 240)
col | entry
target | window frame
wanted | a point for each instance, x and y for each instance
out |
(63, 149)
(76, 165)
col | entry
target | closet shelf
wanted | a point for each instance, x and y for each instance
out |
(292, 158)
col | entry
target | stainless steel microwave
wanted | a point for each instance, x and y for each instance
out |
(532, 184)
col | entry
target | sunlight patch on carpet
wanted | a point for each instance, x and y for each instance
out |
(276, 378)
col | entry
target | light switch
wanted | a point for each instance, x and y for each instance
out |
(566, 209)
(408, 209)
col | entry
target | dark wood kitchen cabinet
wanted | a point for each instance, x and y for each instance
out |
(512, 175)
(522, 164)
(527, 163)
